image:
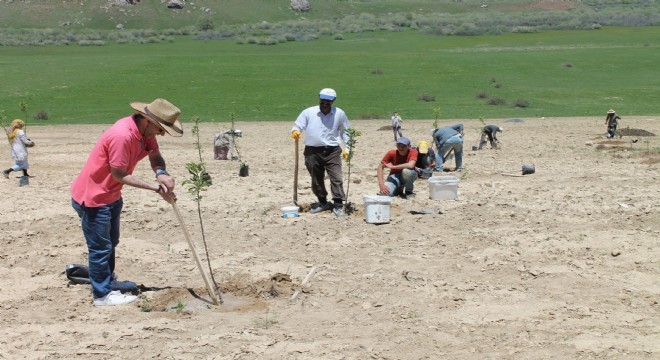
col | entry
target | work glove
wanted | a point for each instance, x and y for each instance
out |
(295, 134)
(344, 154)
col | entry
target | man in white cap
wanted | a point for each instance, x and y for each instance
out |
(401, 162)
(324, 125)
(490, 131)
(96, 192)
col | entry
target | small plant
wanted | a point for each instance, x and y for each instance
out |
(425, 97)
(520, 103)
(567, 65)
(496, 100)
(145, 306)
(41, 115)
(436, 114)
(265, 322)
(482, 121)
(180, 305)
(339, 37)
(242, 165)
(481, 95)
(497, 85)
(377, 71)
(352, 134)
(24, 109)
(199, 181)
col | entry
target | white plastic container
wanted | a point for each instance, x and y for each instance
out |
(443, 187)
(377, 209)
(289, 211)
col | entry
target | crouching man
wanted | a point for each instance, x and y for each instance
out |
(401, 162)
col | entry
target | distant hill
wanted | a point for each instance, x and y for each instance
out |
(155, 14)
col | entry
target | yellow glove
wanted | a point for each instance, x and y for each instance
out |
(295, 134)
(344, 154)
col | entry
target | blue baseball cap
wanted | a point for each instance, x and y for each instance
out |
(403, 140)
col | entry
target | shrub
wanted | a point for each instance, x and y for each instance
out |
(205, 24)
(339, 37)
(481, 95)
(496, 100)
(567, 65)
(376, 71)
(497, 85)
(41, 115)
(520, 103)
(425, 97)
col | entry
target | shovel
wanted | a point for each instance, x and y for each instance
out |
(195, 254)
(295, 177)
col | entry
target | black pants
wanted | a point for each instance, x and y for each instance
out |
(322, 159)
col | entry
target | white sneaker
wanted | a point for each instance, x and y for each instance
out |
(114, 298)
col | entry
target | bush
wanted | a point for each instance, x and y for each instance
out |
(497, 85)
(496, 100)
(481, 95)
(567, 65)
(339, 37)
(520, 103)
(425, 97)
(376, 71)
(205, 24)
(41, 115)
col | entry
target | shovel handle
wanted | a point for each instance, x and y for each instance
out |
(295, 174)
(195, 254)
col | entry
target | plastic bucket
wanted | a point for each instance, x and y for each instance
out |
(289, 211)
(528, 169)
(443, 187)
(377, 209)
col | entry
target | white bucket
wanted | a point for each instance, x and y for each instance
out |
(443, 187)
(377, 209)
(289, 211)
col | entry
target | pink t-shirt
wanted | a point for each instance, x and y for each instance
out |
(121, 146)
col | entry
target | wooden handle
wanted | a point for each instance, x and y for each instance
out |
(295, 176)
(196, 256)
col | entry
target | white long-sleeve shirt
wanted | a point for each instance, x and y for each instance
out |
(18, 149)
(321, 129)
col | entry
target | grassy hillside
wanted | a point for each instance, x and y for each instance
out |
(153, 14)
(559, 73)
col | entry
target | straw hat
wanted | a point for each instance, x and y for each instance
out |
(162, 113)
(611, 111)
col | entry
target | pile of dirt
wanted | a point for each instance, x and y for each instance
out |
(635, 132)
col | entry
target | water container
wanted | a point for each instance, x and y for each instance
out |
(443, 187)
(289, 211)
(377, 209)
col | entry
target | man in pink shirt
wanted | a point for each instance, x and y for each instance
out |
(96, 192)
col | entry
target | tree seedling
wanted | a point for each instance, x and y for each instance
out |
(350, 144)
(199, 181)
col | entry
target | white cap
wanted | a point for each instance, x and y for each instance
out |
(501, 129)
(328, 94)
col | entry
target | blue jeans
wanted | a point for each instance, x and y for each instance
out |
(100, 226)
(454, 142)
(403, 181)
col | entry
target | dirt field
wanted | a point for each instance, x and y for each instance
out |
(559, 264)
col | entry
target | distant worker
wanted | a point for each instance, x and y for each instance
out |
(446, 139)
(611, 122)
(425, 160)
(396, 124)
(490, 131)
(401, 163)
(19, 144)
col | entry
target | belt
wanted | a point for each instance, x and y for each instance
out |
(323, 147)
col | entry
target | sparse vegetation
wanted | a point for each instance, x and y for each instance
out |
(425, 97)
(520, 103)
(496, 100)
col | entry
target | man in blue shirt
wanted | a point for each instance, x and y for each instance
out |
(447, 138)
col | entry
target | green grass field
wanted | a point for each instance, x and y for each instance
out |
(559, 73)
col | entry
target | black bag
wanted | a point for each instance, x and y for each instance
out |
(77, 274)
